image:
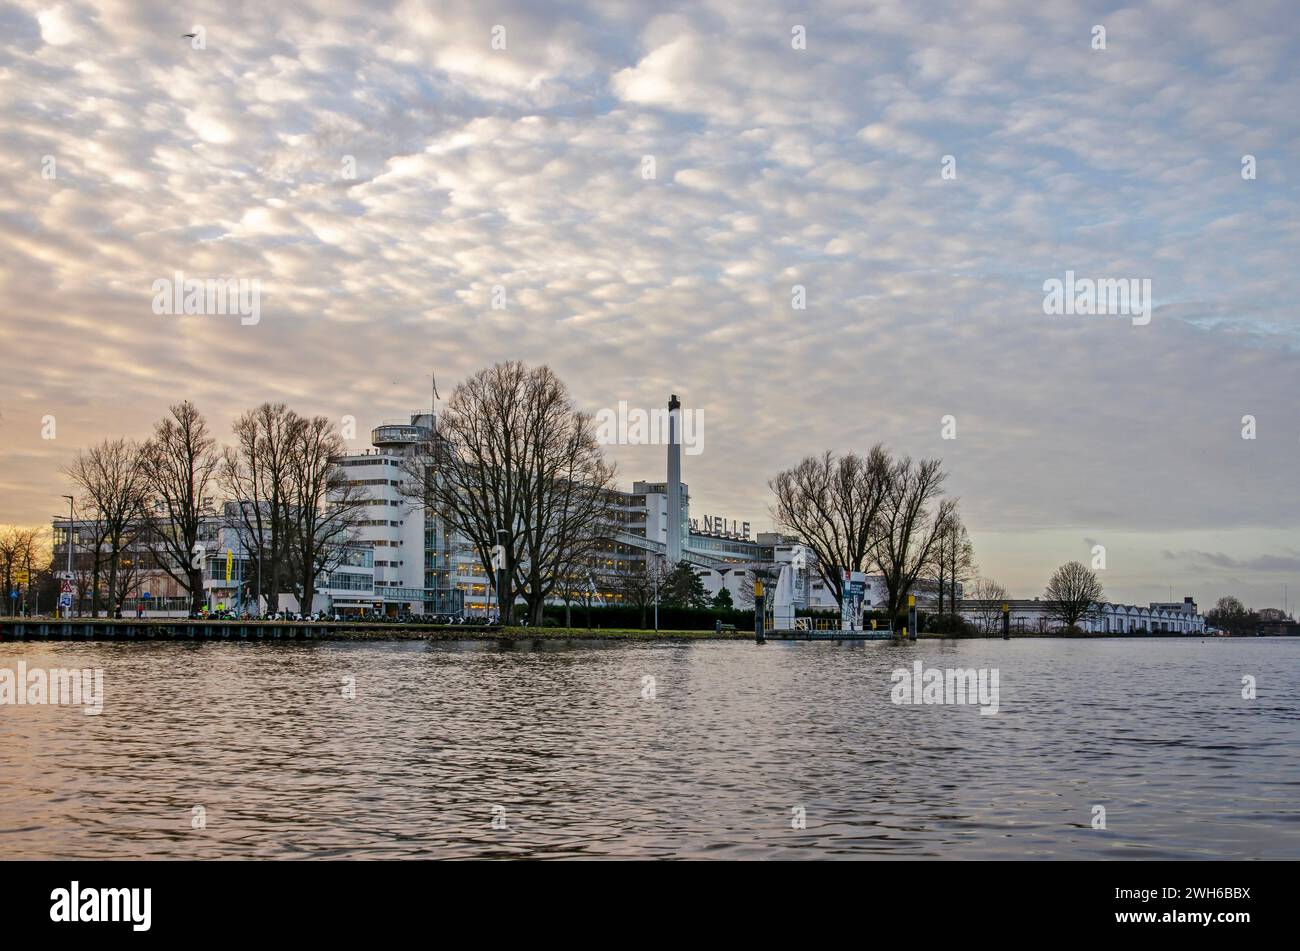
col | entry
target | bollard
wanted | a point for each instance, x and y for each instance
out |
(911, 617)
(758, 613)
(1006, 622)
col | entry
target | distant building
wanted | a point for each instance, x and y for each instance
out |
(1035, 616)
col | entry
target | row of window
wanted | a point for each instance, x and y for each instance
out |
(347, 581)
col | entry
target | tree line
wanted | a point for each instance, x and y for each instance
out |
(24, 552)
(880, 514)
(149, 504)
(513, 469)
(1231, 615)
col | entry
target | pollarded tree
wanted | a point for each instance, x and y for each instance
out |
(1073, 593)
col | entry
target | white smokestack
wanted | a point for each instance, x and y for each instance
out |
(674, 480)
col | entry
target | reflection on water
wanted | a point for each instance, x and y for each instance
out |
(558, 741)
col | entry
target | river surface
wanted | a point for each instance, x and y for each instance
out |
(784, 751)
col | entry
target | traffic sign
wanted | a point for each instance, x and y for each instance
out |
(65, 599)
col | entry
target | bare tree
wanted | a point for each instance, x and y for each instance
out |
(131, 575)
(1073, 593)
(114, 481)
(514, 454)
(641, 584)
(954, 561)
(322, 507)
(567, 489)
(255, 474)
(582, 580)
(913, 515)
(745, 593)
(985, 599)
(89, 545)
(181, 461)
(22, 551)
(833, 506)
(39, 560)
(10, 563)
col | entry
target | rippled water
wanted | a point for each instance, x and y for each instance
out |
(559, 742)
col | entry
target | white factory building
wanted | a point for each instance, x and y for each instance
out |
(1035, 615)
(403, 560)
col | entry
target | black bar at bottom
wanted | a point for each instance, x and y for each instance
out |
(300, 900)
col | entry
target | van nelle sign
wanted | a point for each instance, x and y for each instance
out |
(717, 525)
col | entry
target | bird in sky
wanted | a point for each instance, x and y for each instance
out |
(189, 36)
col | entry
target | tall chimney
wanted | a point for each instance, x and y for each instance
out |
(674, 480)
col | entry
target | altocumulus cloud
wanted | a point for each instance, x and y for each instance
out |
(522, 168)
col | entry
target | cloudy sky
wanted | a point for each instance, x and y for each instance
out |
(381, 168)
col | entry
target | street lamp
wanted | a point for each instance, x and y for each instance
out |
(655, 576)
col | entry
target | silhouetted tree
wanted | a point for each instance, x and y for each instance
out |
(1073, 593)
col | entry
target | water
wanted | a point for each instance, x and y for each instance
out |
(558, 741)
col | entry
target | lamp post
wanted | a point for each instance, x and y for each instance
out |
(71, 530)
(656, 581)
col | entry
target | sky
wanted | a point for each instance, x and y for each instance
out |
(631, 193)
